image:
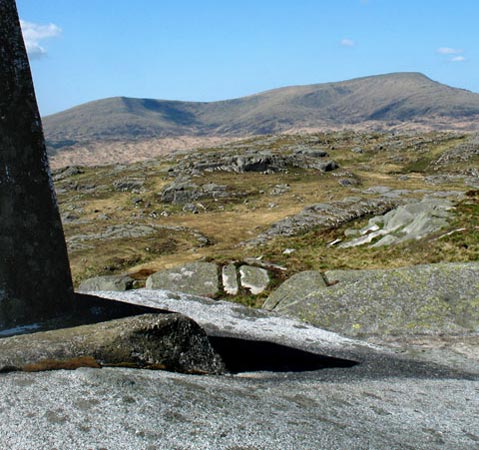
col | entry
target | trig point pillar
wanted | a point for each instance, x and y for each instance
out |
(35, 280)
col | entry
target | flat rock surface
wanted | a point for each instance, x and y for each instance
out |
(127, 409)
(197, 278)
(431, 299)
(385, 401)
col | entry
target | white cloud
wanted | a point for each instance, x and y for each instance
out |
(34, 33)
(449, 51)
(347, 42)
(458, 59)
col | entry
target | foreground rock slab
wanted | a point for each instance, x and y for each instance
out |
(386, 401)
(157, 341)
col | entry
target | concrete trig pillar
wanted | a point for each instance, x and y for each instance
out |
(35, 280)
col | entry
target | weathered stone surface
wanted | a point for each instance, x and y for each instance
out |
(35, 279)
(107, 283)
(295, 289)
(198, 278)
(386, 401)
(255, 279)
(229, 277)
(411, 221)
(437, 298)
(163, 341)
(126, 409)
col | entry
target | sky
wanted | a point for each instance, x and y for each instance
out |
(215, 50)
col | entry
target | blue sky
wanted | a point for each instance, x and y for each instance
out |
(213, 50)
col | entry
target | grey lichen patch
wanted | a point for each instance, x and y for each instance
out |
(197, 278)
(295, 289)
(255, 279)
(438, 298)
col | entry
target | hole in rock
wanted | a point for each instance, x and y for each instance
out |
(242, 355)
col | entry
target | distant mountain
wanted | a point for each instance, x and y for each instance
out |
(398, 99)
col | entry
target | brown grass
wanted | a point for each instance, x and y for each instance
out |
(66, 364)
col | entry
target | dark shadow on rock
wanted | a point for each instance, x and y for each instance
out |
(88, 309)
(242, 355)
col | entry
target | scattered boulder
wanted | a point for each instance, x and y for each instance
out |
(295, 288)
(347, 182)
(328, 166)
(135, 185)
(107, 283)
(197, 278)
(436, 298)
(158, 341)
(66, 172)
(280, 189)
(311, 152)
(255, 279)
(185, 192)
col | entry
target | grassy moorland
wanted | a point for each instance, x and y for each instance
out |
(116, 220)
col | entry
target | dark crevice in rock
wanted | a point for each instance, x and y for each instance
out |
(242, 355)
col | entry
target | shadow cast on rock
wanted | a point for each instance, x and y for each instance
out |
(242, 355)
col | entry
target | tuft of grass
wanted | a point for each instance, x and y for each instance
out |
(66, 364)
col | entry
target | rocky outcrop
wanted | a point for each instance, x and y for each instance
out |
(461, 153)
(107, 283)
(35, 281)
(197, 278)
(412, 221)
(437, 298)
(184, 191)
(156, 341)
(256, 161)
(325, 215)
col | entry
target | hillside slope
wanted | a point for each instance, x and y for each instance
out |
(383, 100)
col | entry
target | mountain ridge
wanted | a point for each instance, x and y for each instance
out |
(404, 99)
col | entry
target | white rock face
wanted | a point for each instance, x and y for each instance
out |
(255, 279)
(230, 279)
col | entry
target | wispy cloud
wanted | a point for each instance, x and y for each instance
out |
(449, 51)
(34, 33)
(347, 42)
(453, 54)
